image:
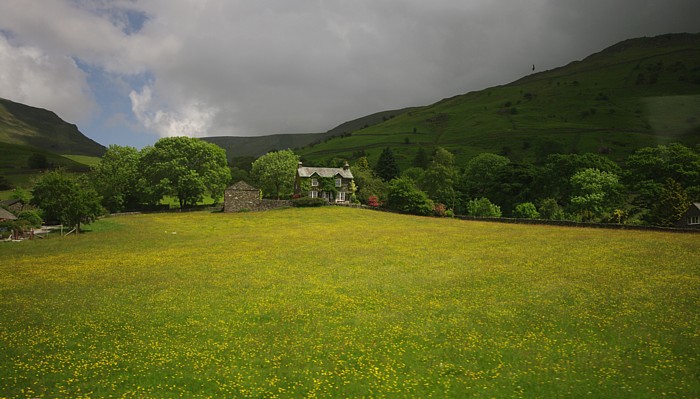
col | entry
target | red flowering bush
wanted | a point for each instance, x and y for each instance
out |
(373, 201)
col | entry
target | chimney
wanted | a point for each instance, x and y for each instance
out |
(346, 166)
(299, 165)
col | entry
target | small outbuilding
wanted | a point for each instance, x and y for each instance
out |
(13, 205)
(691, 217)
(6, 215)
(241, 196)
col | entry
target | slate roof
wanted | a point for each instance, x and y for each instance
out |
(9, 202)
(242, 186)
(306, 171)
(6, 215)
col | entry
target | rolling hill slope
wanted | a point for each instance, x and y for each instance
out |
(259, 145)
(637, 93)
(35, 127)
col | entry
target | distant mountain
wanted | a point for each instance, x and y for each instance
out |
(38, 128)
(640, 92)
(256, 146)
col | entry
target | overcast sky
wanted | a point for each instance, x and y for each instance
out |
(129, 71)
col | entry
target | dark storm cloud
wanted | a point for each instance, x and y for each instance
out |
(260, 67)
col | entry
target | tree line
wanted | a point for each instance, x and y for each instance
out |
(653, 186)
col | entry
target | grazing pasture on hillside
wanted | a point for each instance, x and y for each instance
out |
(338, 302)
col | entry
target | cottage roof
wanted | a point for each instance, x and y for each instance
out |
(306, 171)
(9, 202)
(242, 186)
(6, 215)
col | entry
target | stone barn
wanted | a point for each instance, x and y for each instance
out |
(244, 197)
(241, 196)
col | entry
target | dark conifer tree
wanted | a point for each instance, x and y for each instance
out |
(421, 160)
(386, 167)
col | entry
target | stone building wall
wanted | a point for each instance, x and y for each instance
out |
(237, 200)
(246, 198)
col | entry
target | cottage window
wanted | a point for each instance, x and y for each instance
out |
(314, 182)
(313, 194)
(341, 196)
(338, 181)
(693, 219)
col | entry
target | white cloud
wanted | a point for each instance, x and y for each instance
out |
(188, 119)
(29, 75)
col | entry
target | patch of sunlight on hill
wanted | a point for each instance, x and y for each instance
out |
(84, 159)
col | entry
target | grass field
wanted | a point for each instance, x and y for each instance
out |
(336, 302)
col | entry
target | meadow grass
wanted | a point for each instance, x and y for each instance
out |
(336, 302)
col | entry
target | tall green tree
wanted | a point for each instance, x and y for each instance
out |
(595, 193)
(649, 168)
(367, 182)
(118, 178)
(439, 178)
(481, 173)
(186, 168)
(421, 160)
(65, 199)
(275, 172)
(404, 196)
(386, 167)
(672, 203)
(555, 177)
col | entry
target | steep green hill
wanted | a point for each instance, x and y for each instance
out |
(35, 127)
(260, 145)
(637, 93)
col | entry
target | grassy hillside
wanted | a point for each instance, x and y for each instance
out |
(14, 164)
(260, 145)
(252, 305)
(640, 92)
(42, 129)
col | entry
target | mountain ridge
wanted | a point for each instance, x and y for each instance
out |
(635, 93)
(23, 124)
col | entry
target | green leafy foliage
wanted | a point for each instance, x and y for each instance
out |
(118, 179)
(32, 217)
(308, 202)
(551, 210)
(367, 182)
(481, 173)
(38, 161)
(482, 207)
(186, 168)
(595, 193)
(526, 210)
(274, 172)
(404, 196)
(386, 167)
(440, 177)
(672, 203)
(65, 199)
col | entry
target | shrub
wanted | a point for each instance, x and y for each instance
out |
(526, 210)
(373, 201)
(305, 202)
(33, 218)
(483, 207)
(404, 196)
(440, 210)
(551, 210)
